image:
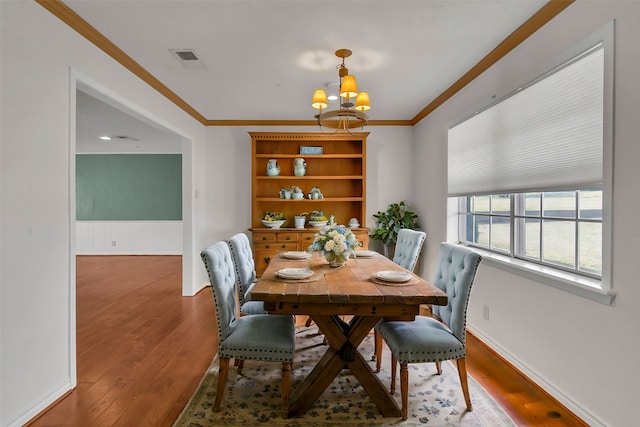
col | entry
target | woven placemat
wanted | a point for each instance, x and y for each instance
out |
(315, 277)
(378, 281)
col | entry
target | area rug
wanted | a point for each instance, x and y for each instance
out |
(253, 398)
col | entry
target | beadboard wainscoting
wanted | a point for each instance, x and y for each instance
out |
(129, 237)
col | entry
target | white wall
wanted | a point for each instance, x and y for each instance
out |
(129, 237)
(39, 54)
(581, 351)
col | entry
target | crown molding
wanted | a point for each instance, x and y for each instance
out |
(63, 12)
(76, 22)
(533, 24)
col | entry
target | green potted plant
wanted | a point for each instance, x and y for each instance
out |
(396, 217)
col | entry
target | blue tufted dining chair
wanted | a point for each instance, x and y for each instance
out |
(428, 340)
(245, 269)
(261, 337)
(408, 247)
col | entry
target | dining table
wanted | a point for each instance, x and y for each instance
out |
(365, 290)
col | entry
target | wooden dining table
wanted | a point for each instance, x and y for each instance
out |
(353, 291)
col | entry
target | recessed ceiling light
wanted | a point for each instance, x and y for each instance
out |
(105, 138)
(332, 90)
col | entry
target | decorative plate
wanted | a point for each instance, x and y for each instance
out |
(365, 254)
(294, 273)
(296, 255)
(393, 276)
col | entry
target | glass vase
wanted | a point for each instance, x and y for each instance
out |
(336, 260)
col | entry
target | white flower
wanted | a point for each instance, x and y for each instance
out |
(337, 239)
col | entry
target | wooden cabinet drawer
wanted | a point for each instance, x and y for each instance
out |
(287, 237)
(305, 240)
(262, 260)
(263, 237)
(276, 246)
(363, 237)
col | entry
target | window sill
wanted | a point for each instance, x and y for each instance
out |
(573, 283)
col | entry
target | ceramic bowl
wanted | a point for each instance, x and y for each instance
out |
(318, 224)
(273, 224)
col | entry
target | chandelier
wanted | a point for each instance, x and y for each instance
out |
(349, 115)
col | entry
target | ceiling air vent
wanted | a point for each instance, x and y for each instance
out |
(188, 58)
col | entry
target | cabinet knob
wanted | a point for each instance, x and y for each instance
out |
(267, 246)
(267, 260)
(264, 237)
(283, 246)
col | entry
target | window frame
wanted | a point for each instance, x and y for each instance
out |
(517, 232)
(597, 290)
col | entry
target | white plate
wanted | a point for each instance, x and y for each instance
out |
(295, 273)
(365, 254)
(393, 276)
(296, 255)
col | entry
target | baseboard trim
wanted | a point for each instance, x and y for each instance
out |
(203, 286)
(535, 379)
(125, 253)
(39, 407)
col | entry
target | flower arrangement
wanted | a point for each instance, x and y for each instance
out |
(336, 242)
(317, 216)
(273, 216)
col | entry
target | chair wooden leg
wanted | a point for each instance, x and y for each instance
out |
(223, 370)
(439, 367)
(377, 339)
(404, 389)
(240, 366)
(286, 387)
(462, 372)
(394, 362)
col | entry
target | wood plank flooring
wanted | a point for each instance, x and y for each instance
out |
(142, 349)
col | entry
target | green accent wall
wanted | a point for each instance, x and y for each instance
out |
(128, 187)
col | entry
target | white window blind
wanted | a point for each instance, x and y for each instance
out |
(546, 136)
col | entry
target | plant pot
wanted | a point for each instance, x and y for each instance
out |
(390, 250)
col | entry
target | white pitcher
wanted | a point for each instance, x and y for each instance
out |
(272, 167)
(299, 166)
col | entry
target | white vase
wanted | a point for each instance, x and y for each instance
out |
(299, 166)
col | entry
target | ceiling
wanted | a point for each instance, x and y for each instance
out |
(98, 116)
(262, 59)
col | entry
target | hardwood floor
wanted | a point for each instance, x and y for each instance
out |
(142, 349)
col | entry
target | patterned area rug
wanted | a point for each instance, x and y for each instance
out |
(254, 399)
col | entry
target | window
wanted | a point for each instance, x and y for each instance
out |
(530, 175)
(561, 229)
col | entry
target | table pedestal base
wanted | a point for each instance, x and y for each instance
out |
(343, 339)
